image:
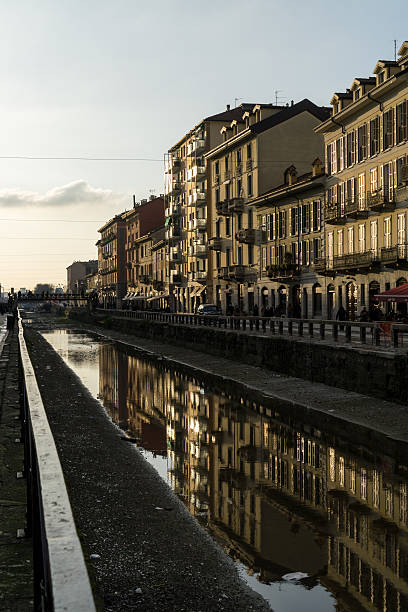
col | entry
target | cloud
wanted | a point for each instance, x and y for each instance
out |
(72, 194)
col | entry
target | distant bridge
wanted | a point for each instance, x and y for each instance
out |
(53, 297)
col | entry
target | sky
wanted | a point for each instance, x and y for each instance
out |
(126, 79)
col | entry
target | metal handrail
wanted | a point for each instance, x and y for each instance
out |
(61, 577)
(379, 332)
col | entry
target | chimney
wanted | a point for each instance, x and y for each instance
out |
(292, 103)
(134, 201)
(228, 107)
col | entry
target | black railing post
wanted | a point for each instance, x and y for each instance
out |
(395, 336)
(363, 331)
(348, 333)
(335, 332)
(322, 330)
(290, 328)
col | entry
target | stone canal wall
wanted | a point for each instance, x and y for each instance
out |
(372, 372)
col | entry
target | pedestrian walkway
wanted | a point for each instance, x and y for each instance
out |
(16, 565)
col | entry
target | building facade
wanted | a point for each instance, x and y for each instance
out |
(111, 262)
(251, 161)
(186, 190)
(365, 236)
(77, 273)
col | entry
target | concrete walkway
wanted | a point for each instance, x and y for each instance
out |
(16, 558)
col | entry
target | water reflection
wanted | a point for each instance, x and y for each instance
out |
(283, 494)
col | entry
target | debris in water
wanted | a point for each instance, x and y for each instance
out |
(95, 556)
(294, 576)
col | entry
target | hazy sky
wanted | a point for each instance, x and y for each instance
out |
(122, 78)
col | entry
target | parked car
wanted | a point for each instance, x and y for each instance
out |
(208, 309)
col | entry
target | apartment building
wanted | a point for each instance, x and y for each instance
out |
(251, 160)
(77, 273)
(289, 222)
(365, 236)
(186, 183)
(111, 262)
(148, 287)
(142, 222)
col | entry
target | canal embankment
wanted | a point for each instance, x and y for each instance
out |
(373, 372)
(146, 551)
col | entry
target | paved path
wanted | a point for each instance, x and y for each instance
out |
(16, 567)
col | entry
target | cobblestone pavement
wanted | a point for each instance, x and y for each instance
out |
(16, 566)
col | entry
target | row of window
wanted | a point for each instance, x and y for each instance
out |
(378, 134)
(228, 160)
(303, 253)
(303, 219)
(384, 178)
(351, 241)
(238, 191)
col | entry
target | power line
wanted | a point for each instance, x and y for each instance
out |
(83, 158)
(44, 238)
(53, 220)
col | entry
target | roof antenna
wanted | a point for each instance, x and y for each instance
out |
(236, 100)
(395, 50)
(277, 96)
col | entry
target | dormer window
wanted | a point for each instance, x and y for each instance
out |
(335, 108)
(381, 77)
(357, 93)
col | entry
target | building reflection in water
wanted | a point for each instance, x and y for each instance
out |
(281, 494)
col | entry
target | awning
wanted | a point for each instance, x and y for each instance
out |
(138, 297)
(127, 296)
(398, 294)
(159, 297)
(197, 291)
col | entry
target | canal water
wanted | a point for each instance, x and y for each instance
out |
(313, 512)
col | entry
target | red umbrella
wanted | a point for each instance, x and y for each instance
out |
(398, 294)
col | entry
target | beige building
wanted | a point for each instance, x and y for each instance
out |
(111, 262)
(365, 236)
(186, 188)
(289, 219)
(256, 151)
(77, 274)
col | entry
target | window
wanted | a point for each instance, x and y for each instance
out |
(340, 154)
(249, 184)
(330, 246)
(239, 221)
(217, 195)
(381, 77)
(328, 160)
(361, 191)
(227, 257)
(402, 170)
(251, 254)
(227, 226)
(339, 243)
(374, 136)
(305, 218)
(387, 232)
(316, 248)
(226, 163)
(218, 258)
(239, 156)
(388, 129)
(227, 192)
(351, 149)
(350, 237)
(316, 211)
(361, 238)
(362, 142)
(217, 168)
(240, 255)
(251, 218)
(282, 224)
(401, 122)
(350, 190)
(387, 181)
(294, 221)
(357, 94)
(374, 236)
(249, 151)
(333, 154)
(373, 180)
(239, 188)
(401, 229)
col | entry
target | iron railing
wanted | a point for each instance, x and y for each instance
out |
(380, 333)
(61, 579)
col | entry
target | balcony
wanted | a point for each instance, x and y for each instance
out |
(200, 224)
(222, 208)
(380, 202)
(198, 172)
(145, 279)
(236, 205)
(175, 257)
(284, 272)
(334, 215)
(356, 210)
(354, 262)
(199, 250)
(173, 234)
(196, 147)
(199, 275)
(199, 198)
(238, 273)
(174, 210)
(173, 165)
(247, 236)
(395, 257)
(175, 188)
(176, 279)
(401, 194)
(319, 265)
(215, 243)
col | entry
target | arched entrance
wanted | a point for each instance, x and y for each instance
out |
(351, 301)
(296, 311)
(264, 297)
(331, 301)
(317, 300)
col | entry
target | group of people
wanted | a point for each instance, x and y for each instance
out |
(374, 313)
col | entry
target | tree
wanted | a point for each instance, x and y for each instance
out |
(44, 288)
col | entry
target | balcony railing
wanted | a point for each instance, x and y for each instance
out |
(236, 205)
(173, 234)
(175, 188)
(175, 256)
(282, 272)
(396, 256)
(215, 243)
(401, 194)
(199, 224)
(353, 261)
(247, 235)
(195, 147)
(380, 201)
(357, 209)
(334, 214)
(222, 208)
(238, 273)
(199, 275)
